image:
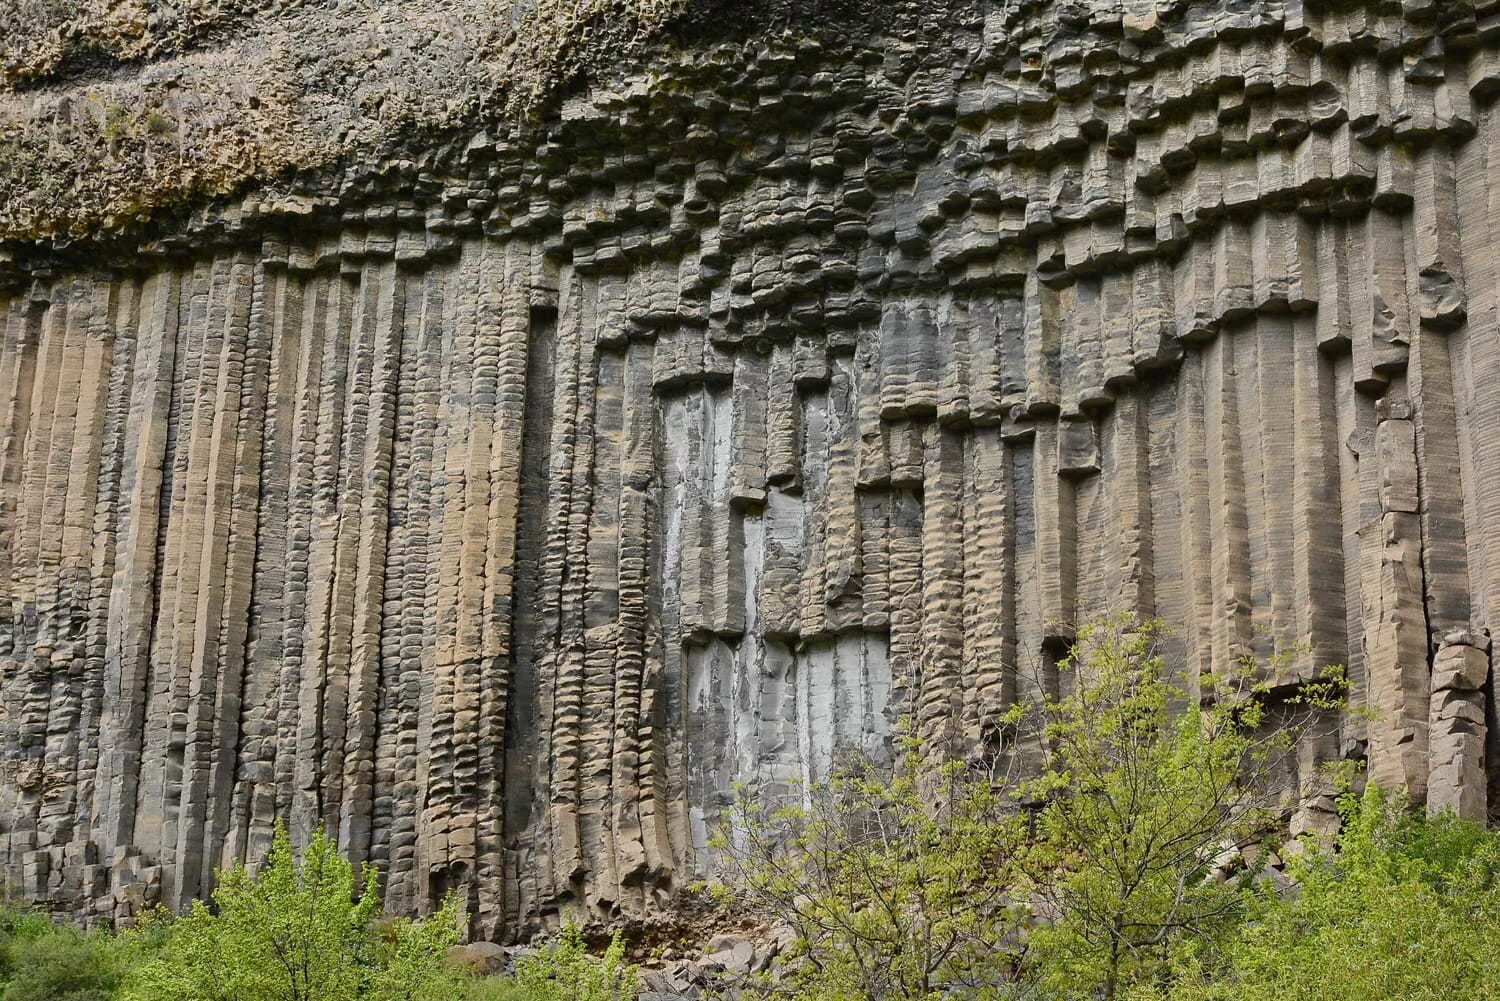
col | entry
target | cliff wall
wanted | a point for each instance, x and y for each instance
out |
(500, 497)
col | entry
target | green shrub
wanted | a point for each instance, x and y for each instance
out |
(895, 882)
(1143, 786)
(295, 932)
(1094, 879)
(59, 964)
(1407, 909)
(17, 928)
(489, 989)
(928, 879)
(565, 971)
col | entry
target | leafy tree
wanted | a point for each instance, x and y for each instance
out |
(895, 883)
(1096, 876)
(1407, 909)
(295, 932)
(1143, 787)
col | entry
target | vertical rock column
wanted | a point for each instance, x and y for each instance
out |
(1396, 644)
(133, 596)
(459, 845)
(1457, 732)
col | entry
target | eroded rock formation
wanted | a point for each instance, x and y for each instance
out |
(501, 502)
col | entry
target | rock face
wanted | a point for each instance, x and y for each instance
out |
(501, 501)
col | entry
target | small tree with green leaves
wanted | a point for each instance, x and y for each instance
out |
(895, 882)
(296, 931)
(1143, 787)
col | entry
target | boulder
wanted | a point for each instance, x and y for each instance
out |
(481, 958)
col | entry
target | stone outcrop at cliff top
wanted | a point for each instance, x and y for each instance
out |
(500, 497)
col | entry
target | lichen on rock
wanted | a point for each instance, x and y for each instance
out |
(117, 112)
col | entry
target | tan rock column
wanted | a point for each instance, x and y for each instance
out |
(1456, 726)
(1396, 644)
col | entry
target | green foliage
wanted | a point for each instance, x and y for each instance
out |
(565, 971)
(296, 932)
(1408, 909)
(1096, 878)
(158, 123)
(40, 961)
(489, 989)
(896, 885)
(116, 122)
(1143, 787)
(408, 957)
(64, 965)
(18, 928)
(44, 961)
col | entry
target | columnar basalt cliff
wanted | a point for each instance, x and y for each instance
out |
(499, 497)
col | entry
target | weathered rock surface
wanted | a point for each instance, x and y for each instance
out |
(500, 505)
